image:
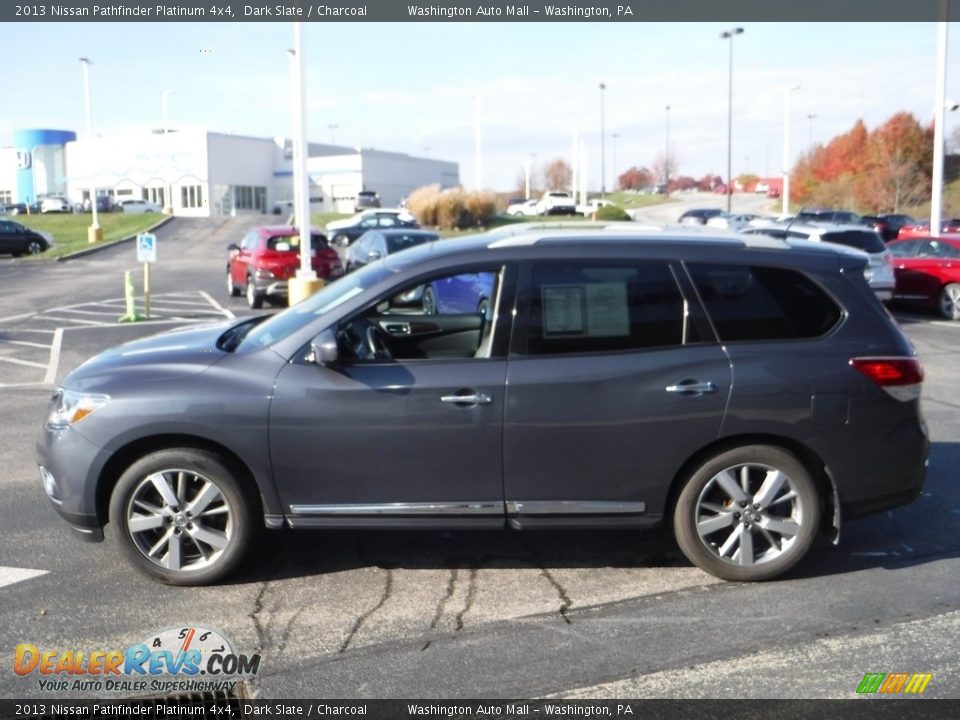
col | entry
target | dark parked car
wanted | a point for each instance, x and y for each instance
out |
(599, 392)
(887, 225)
(268, 257)
(344, 235)
(16, 240)
(928, 273)
(840, 217)
(376, 244)
(367, 199)
(699, 216)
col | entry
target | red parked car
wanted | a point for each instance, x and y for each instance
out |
(928, 272)
(922, 229)
(268, 257)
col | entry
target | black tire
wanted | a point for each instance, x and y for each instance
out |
(35, 247)
(429, 301)
(254, 298)
(341, 240)
(230, 524)
(232, 288)
(711, 524)
(948, 303)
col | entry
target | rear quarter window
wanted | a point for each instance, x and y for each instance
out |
(749, 302)
(861, 240)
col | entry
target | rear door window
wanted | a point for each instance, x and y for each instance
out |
(578, 308)
(763, 303)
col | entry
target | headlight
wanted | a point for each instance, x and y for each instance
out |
(263, 274)
(68, 407)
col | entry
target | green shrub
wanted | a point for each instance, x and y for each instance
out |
(612, 213)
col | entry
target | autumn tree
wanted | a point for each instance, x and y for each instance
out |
(635, 178)
(558, 175)
(900, 155)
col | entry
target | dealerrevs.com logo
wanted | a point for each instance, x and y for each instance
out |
(184, 659)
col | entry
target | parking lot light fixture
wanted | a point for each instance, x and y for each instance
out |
(603, 163)
(94, 232)
(785, 195)
(729, 35)
(666, 159)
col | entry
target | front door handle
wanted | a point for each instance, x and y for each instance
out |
(467, 399)
(692, 387)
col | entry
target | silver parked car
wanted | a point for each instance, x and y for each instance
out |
(879, 271)
(595, 388)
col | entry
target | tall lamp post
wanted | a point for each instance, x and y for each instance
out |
(94, 232)
(785, 196)
(940, 95)
(603, 164)
(615, 136)
(666, 159)
(810, 117)
(728, 35)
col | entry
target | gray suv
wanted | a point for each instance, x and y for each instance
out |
(745, 393)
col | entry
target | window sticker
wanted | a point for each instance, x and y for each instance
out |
(607, 312)
(562, 310)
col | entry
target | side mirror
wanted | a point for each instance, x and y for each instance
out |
(324, 348)
(233, 247)
(373, 255)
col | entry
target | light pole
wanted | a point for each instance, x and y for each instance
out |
(477, 144)
(810, 117)
(615, 136)
(728, 35)
(666, 159)
(940, 95)
(94, 233)
(164, 96)
(603, 164)
(785, 196)
(332, 127)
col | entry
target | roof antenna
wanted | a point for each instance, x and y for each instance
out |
(792, 221)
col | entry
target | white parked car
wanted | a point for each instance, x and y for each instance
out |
(592, 206)
(139, 206)
(556, 202)
(733, 221)
(54, 204)
(523, 208)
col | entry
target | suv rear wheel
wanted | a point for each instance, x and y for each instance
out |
(949, 304)
(747, 514)
(182, 516)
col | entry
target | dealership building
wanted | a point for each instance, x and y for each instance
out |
(198, 173)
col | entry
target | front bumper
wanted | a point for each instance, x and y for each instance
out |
(69, 467)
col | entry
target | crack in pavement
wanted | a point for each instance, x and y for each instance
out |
(255, 616)
(468, 602)
(565, 600)
(438, 614)
(387, 592)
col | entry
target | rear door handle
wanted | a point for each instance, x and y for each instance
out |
(474, 399)
(692, 387)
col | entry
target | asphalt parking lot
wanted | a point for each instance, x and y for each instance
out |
(434, 614)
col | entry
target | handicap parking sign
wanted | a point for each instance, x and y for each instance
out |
(146, 247)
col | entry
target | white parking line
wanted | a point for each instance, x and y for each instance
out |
(73, 320)
(217, 305)
(110, 313)
(15, 361)
(24, 343)
(54, 364)
(11, 575)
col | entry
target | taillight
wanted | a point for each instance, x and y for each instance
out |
(901, 377)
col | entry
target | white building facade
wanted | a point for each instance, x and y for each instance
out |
(197, 173)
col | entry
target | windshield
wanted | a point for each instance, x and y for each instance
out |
(292, 319)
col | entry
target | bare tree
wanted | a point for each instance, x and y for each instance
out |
(558, 175)
(664, 167)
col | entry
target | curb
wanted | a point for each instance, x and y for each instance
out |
(104, 246)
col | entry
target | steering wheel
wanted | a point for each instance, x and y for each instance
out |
(378, 343)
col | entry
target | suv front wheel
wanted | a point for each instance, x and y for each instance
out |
(747, 514)
(254, 299)
(182, 516)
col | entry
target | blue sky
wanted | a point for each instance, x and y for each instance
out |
(410, 86)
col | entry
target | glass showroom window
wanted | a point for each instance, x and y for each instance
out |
(191, 196)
